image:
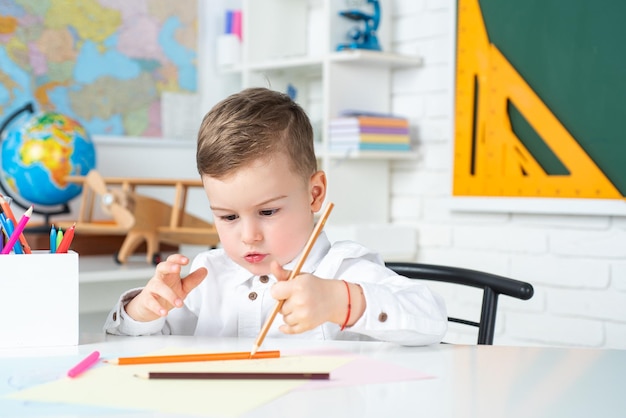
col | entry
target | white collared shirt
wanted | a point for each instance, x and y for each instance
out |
(231, 302)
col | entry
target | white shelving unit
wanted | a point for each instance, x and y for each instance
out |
(293, 43)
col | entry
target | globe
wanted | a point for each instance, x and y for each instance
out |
(39, 154)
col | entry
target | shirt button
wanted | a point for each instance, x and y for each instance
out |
(252, 295)
(264, 279)
(115, 316)
(382, 317)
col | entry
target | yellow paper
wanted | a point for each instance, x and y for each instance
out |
(118, 387)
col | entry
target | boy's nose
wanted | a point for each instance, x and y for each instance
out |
(250, 232)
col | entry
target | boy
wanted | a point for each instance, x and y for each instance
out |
(256, 159)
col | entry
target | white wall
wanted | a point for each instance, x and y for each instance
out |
(577, 264)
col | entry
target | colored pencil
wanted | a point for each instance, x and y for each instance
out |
(59, 238)
(294, 273)
(17, 247)
(7, 231)
(67, 240)
(53, 240)
(6, 208)
(17, 231)
(177, 358)
(84, 365)
(235, 375)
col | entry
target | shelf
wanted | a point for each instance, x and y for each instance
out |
(102, 268)
(374, 155)
(375, 58)
(359, 56)
(295, 63)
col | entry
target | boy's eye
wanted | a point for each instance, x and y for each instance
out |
(268, 212)
(228, 217)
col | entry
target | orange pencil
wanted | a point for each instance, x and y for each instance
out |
(294, 273)
(178, 358)
(67, 240)
(9, 214)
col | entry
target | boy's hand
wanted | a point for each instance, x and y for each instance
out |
(165, 290)
(309, 300)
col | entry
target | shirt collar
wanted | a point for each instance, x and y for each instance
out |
(319, 250)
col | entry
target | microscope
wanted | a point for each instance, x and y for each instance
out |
(362, 38)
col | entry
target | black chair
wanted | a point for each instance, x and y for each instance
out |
(492, 285)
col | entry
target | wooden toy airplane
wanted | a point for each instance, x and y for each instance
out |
(140, 218)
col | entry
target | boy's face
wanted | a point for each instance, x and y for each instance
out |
(264, 212)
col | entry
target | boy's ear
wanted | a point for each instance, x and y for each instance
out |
(317, 185)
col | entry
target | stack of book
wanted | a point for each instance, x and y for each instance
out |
(369, 133)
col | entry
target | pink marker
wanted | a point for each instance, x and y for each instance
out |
(237, 28)
(85, 364)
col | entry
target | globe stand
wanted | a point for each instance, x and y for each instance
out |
(45, 228)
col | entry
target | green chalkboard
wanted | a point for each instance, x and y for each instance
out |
(572, 53)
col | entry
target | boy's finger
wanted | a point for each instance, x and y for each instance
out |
(193, 280)
(280, 273)
(286, 329)
(280, 291)
(177, 259)
(153, 305)
(166, 268)
(167, 294)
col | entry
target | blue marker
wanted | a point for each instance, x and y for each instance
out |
(53, 240)
(228, 27)
(3, 222)
(3, 230)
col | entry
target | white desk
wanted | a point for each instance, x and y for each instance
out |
(470, 381)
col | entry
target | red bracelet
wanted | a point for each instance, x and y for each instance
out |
(345, 323)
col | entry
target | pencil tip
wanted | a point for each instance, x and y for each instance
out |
(113, 361)
(254, 350)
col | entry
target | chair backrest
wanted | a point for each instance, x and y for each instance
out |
(492, 285)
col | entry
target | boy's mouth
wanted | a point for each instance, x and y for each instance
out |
(254, 258)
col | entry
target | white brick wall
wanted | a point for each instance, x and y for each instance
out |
(577, 264)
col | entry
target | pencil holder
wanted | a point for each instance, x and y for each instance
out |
(39, 299)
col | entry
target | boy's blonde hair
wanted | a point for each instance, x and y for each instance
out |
(256, 123)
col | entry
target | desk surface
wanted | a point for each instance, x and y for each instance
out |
(469, 381)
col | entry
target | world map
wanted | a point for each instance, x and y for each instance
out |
(105, 63)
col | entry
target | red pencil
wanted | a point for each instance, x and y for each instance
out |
(67, 240)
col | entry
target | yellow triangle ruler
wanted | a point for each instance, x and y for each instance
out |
(490, 160)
